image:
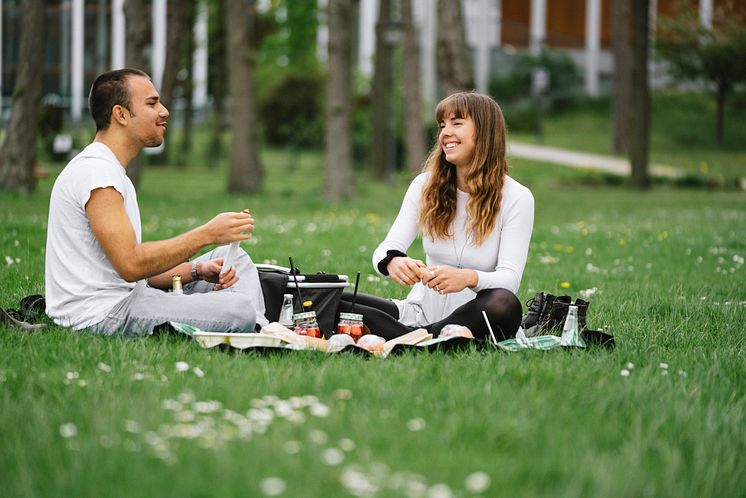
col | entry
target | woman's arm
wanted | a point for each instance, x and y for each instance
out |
(404, 230)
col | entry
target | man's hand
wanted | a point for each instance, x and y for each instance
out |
(229, 227)
(209, 271)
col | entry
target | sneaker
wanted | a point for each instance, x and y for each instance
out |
(7, 318)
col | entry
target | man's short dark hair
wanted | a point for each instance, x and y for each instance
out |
(108, 90)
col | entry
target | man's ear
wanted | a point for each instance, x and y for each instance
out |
(120, 114)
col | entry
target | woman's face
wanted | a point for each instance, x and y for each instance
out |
(458, 140)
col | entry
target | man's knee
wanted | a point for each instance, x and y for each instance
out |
(239, 313)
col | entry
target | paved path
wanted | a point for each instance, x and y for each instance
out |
(576, 159)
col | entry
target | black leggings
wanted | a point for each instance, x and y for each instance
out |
(502, 307)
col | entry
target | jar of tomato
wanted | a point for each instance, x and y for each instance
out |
(351, 324)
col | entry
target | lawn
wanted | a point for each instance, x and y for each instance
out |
(88, 416)
(682, 132)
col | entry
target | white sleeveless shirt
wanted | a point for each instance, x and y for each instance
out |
(81, 285)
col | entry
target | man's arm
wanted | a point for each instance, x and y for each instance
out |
(133, 261)
(206, 270)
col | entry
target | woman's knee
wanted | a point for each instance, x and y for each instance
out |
(501, 300)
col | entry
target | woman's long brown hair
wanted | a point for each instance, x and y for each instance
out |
(485, 177)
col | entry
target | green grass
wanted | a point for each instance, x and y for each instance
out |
(668, 266)
(682, 132)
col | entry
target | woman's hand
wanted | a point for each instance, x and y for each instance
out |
(447, 279)
(405, 270)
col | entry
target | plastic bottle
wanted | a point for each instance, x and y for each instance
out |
(570, 334)
(286, 312)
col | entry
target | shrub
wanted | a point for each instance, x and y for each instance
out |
(293, 110)
(564, 80)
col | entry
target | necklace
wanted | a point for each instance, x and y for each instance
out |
(459, 254)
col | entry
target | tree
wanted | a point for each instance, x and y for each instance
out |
(187, 85)
(416, 147)
(454, 66)
(216, 80)
(246, 174)
(714, 54)
(18, 156)
(638, 120)
(338, 110)
(177, 28)
(382, 152)
(137, 24)
(620, 20)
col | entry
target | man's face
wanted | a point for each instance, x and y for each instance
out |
(147, 115)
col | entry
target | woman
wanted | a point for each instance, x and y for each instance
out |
(476, 224)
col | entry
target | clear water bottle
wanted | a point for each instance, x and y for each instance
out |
(570, 332)
(286, 312)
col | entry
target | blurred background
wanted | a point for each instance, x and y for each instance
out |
(358, 80)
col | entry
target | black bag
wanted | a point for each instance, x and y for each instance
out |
(322, 289)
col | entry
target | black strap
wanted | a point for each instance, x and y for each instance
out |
(384, 263)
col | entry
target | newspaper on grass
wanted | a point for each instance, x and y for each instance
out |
(276, 336)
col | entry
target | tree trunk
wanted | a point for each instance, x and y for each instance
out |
(638, 132)
(216, 71)
(454, 64)
(382, 140)
(18, 157)
(722, 94)
(620, 20)
(137, 21)
(187, 87)
(246, 173)
(339, 179)
(177, 28)
(416, 146)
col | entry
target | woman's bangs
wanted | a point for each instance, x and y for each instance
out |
(455, 105)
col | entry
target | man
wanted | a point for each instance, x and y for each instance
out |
(100, 276)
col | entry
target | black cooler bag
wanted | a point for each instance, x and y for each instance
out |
(322, 289)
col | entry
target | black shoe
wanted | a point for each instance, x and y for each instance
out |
(535, 311)
(554, 318)
(10, 320)
(582, 305)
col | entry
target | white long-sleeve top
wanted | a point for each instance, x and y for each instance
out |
(499, 261)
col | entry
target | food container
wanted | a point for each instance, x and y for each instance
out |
(305, 324)
(351, 324)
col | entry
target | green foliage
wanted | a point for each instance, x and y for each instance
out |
(293, 112)
(716, 55)
(564, 78)
(288, 40)
(514, 92)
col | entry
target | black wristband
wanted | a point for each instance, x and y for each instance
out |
(384, 263)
